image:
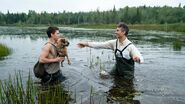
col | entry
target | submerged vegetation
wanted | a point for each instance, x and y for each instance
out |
(4, 50)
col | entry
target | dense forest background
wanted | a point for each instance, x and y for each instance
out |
(130, 15)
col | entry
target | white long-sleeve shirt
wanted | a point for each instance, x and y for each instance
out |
(128, 53)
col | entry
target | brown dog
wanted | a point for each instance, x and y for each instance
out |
(62, 44)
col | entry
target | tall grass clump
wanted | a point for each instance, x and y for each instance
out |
(177, 45)
(14, 92)
(53, 95)
(4, 50)
(18, 91)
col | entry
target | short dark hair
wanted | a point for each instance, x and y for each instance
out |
(123, 27)
(51, 30)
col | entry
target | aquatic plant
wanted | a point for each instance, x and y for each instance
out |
(15, 91)
(4, 50)
(177, 45)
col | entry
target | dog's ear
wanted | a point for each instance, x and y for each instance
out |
(67, 43)
(62, 40)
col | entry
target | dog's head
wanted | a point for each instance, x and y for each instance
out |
(62, 42)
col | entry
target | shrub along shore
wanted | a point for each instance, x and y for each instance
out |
(4, 50)
(177, 27)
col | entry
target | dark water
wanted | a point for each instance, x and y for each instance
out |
(160, 80)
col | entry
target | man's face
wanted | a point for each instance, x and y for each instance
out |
(119, 33)
(55, 36)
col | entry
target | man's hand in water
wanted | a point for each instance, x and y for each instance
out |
(82, 44)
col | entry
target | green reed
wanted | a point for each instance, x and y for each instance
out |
(13, 91)
(97, 62)
(54, 95)
(18, 91)
(177, 45)
(4, 50)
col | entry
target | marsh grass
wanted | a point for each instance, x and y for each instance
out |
(177, 45)
(96, 62)
(4, 50)
(177, 27)
(15, 91)
(54, 95)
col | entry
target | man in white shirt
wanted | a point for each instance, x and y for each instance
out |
(125, 52)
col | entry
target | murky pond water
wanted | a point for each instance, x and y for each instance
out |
(160, 80)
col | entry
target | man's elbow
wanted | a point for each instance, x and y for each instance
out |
(41, 60)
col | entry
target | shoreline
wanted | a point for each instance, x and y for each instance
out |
(176, 27)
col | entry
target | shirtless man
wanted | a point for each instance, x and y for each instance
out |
(49, 57)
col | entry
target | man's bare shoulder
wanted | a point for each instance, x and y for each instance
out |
(46, 47)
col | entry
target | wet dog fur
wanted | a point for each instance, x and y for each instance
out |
(62, 45)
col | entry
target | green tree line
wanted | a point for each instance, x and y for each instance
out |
(130, 15)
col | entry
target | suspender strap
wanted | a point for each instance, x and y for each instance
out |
(123, 48)
(126, 47)
(54, 47)
(116, 43)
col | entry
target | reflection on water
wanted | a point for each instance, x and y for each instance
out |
(160, 79)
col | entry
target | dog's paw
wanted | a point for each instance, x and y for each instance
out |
(69, 63)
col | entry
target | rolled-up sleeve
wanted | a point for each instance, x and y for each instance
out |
(135, 52)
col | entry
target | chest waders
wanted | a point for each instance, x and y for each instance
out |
(123, 67)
